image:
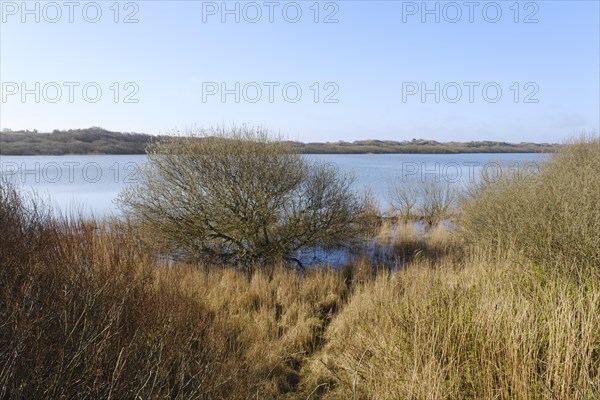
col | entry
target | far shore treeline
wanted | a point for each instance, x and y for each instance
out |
(101, 141)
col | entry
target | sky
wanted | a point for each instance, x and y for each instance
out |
(311, 71)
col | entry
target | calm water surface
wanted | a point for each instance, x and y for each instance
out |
(90, 184)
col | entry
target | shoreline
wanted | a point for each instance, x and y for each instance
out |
(95, 141)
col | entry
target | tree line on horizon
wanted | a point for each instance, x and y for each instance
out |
(96, 140)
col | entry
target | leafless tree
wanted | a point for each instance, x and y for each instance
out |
(239, 196)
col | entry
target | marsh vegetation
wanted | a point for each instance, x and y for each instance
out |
(506, 304)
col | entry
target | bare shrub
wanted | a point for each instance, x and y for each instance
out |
(431, 200)
(240, 197)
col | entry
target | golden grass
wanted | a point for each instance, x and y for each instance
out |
(86, 311)
(489, 330)
(547, 216)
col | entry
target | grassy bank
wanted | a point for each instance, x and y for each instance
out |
(507, 306)
(101, 141)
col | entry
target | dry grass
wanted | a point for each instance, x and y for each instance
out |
(87, 313)
(489, 330)
(84, 316)
(492, 313)
(405, 242)
(553, 215)
(279, 315)
(515, 314)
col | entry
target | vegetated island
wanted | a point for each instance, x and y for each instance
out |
(101, 141)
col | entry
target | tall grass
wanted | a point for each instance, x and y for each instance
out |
(84, 316)
(87, 313)
(547, 216)
(486, 331)
(517, 316)
(493, 310)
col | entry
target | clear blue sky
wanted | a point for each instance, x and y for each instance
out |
(374, 58)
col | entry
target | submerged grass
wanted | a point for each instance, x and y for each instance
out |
(506, 307)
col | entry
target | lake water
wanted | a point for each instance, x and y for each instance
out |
(90, 184)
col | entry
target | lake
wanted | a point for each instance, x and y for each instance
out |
(90, 183)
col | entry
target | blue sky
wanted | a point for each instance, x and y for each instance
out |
(360, 77)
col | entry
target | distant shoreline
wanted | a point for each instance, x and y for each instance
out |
(97, 141)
